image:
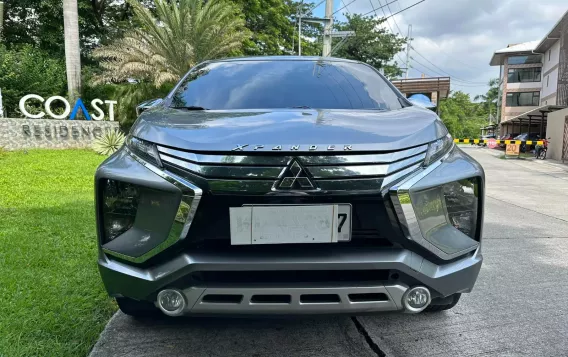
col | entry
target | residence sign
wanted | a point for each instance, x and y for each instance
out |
(96, 105)
(42, 130)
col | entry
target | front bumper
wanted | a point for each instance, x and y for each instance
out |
(389, 271)
(405, 269)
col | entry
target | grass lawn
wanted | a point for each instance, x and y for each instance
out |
(52, 302)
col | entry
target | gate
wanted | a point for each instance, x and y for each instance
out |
(565, 141)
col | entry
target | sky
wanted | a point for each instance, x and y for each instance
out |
(460, 36)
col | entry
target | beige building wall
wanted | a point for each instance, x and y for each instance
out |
(555, 131)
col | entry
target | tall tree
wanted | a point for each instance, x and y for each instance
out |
(162, 48)
(72, 48)
(371, 44)
(462, 117)
(273, 25)
(489, 99)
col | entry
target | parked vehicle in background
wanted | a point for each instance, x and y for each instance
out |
(288, 185)
(508, 136)
(525, 137)
(541, 149)
(487, 137)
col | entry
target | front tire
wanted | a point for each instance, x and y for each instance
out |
(442, 304)
(137, 309)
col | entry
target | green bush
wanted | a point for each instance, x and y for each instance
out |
(29, 70)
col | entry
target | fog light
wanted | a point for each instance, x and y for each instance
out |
(416, 299)
(171, 302)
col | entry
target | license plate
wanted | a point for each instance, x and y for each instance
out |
(285, 224)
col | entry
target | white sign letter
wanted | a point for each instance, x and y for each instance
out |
(111, 104)
(53, 115)
(95, 104)
(23, 106)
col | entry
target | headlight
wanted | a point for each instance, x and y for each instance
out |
(119, 205)
(438, 148)
(144, 149)
(450, 205)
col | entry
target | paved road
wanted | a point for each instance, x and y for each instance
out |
(519, 306)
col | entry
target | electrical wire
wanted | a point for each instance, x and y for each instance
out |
(443, 71)
(396, 13)
(439, 74)
(344, 6)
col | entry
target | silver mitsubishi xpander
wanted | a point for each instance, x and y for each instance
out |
(288, 185)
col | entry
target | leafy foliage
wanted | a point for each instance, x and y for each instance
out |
(39, 23)
(164, 47)
(462, 117)
(273, 25)
(371, 44)
(29, 70)
(489, 100)
(109, 142)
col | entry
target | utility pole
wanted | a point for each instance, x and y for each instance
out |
(299, 35)
(408, 51)
(327, 28)
(1, 18)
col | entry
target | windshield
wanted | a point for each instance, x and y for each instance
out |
(284, 84)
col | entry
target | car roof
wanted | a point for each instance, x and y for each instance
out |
(284, 58)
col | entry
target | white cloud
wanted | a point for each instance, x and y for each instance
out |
(460, 36)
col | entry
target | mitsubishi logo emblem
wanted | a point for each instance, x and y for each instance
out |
(295, 177)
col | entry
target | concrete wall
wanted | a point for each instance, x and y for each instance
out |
(550, 75)
(562, 97)
(16, 134)
(555, 131)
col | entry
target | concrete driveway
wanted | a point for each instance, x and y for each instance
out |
(519, 306)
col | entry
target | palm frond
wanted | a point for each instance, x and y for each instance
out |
(167, 45)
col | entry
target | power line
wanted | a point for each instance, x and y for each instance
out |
(344, 6)
(374, 10)
(453, 78)
(396, 13)
(393, 19)
(443, 71)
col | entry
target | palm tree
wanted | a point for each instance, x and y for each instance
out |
(72, 49)
(163, 48)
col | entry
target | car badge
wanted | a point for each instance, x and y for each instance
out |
(295, 177)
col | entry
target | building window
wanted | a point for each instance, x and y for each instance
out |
(549, 52)
(524, 59)
(547, 78)
(523, 99)
(521, 75)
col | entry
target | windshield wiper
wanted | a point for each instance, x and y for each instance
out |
(301, 107)
(191, 107)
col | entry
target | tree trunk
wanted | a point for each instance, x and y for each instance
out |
(72, 50)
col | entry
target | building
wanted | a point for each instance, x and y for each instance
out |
(435, 88)
(533, 82)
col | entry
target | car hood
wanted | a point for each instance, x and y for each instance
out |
(269, 130)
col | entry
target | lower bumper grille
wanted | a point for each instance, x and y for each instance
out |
(294, 300)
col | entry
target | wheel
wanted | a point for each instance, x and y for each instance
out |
(441, 304)
(137, 309)
(542, 155)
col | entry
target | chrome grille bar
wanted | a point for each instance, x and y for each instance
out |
(256, 173)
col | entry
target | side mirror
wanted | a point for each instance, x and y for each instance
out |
(142, 107)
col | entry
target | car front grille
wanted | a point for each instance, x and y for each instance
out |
(256, 173)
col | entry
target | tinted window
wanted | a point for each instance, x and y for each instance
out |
(520, 75)
(523, 99)
(285, 84)
(524, 59)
